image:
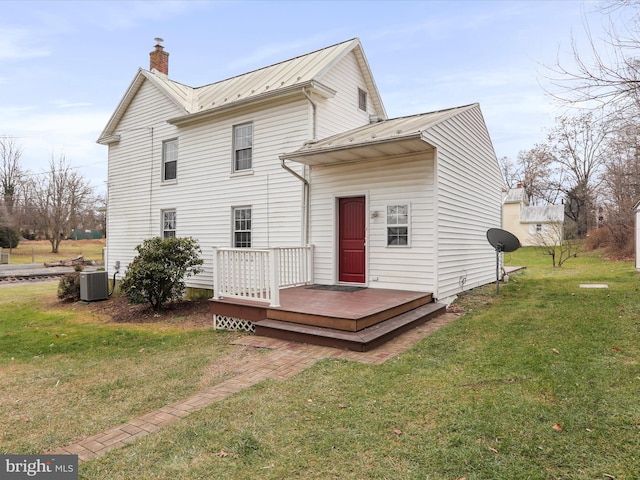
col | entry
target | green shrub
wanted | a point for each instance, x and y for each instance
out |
(9, 237)
(156, 275)
(69, 287)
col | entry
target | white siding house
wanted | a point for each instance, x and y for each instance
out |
(439, 169)
(301, 152)
(285, 105)
(537, 225)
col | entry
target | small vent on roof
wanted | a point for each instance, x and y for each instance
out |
(398, 132)
(267, 87)
(239, 95)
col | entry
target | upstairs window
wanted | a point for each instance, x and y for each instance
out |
(242, 227)
(168, 223)
(397, 225)
(169, 160)
(362, 100)
(242, 147)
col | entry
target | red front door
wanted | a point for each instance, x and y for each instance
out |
(351, 240)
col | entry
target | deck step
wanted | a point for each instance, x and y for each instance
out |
(361, 341)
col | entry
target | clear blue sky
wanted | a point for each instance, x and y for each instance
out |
(64, 66)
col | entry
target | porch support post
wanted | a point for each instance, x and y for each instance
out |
(274, 277)
(216, 274)
(309, 269)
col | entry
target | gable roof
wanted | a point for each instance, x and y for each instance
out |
(516, 195)
(395, 136)
(174, 91)
(293, 75)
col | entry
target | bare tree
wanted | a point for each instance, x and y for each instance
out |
(552, 242)
(532, 171)
(622, 185)
(10, 172)
(58, 196)
(579, 146)
(538, 177)
(510, 172)
(608, 73)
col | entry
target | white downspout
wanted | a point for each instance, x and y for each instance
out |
(314, 115)
(306, 195)
(306, 210)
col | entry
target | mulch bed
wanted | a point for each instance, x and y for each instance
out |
(195, 313)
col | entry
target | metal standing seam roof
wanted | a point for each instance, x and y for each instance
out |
(516, 195)
(296, 71)
(542, 214)
(272, 80)
(380, 132)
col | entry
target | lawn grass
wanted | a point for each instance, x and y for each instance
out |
(39, 251)
(66, 373)
(540, 382)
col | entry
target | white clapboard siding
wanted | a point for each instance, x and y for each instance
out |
(384, 182)
(210, 190)
(205, 190)
(469, 194)
(133, 173)
(341, 112)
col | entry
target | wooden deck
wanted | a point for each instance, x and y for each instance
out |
(344, 317)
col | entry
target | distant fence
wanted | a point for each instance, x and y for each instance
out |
(85, 235)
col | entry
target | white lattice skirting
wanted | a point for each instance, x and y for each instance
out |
(221, 322)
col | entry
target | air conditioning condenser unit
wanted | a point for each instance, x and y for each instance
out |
(94, 286)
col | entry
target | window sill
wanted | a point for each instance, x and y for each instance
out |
(242, 173)
(169, 182)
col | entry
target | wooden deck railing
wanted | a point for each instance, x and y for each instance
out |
(258, 274)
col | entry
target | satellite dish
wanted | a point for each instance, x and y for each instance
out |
(501, 241)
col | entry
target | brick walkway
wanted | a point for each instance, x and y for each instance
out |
(285, 360)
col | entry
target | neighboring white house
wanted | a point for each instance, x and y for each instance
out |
(533, 225)
(302, 153)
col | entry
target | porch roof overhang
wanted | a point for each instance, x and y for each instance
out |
(355, 151)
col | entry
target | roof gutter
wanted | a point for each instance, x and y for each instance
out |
(253, 99)
(314, 150)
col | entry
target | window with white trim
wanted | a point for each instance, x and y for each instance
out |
(170, 159)
(242, 227)
(168, 223)
(242, 147)
(362, 99)
(398, 225)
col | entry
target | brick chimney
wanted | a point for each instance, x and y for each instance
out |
(159, 59)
